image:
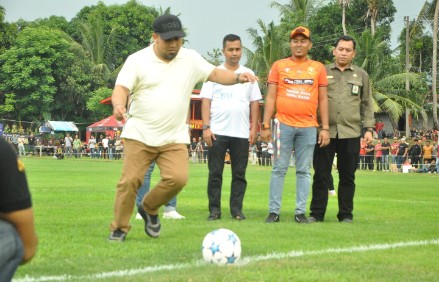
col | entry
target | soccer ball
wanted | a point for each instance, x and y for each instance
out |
(221, 246)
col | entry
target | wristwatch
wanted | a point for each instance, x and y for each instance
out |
(206, 126)
(265, 126)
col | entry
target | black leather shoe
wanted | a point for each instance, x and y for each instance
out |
(214, 216)
(239, 216)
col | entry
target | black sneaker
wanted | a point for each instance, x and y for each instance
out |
(214, 216)
(117, 235)
(272, 217)
(301, 218)
(346, 220)
(152, 223)
(239, 216)
(313, 219)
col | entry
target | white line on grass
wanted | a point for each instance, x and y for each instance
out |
(246, 260)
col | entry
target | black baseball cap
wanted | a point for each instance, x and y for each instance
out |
(168, 26)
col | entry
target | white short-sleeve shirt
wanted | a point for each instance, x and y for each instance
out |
(230, 105)
(161, 94)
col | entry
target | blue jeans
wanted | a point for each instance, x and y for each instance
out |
(170, 206)
(385, 162)
(11, 251)
(93, 153)
(399, 161)
(303, 141)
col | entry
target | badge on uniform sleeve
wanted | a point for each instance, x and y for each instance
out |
(355, 89)
(20, 165)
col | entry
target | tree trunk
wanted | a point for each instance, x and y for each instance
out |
(343, 19)
(434, 67)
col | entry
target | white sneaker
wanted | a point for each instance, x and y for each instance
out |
(173, 215)
(332, 193)
(138, 216)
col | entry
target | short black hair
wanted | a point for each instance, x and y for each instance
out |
(231, 38)
(346, 38)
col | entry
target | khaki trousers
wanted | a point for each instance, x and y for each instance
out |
(172, 160)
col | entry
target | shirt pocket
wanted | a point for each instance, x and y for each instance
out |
(355, 87)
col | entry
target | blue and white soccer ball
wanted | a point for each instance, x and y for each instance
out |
(221, 246)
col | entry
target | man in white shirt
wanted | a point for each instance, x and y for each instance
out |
(68, 141)
(226, 113)
(160, 79)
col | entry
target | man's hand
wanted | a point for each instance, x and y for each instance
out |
(208, 137)
(323, 138)
(265, 135)
(119, 112)
(247, 77)
(368, 137)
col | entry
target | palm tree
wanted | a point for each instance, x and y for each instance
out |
(388, 91)
(434, 67)
(300, 9)
(372, 13)
(344, 4)
(2, 14)
(431, 11)
(391, 97)
(269, 47)
(98, 46)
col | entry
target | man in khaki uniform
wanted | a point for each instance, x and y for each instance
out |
(350, 113)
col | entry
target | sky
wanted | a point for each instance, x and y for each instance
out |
(207, 21)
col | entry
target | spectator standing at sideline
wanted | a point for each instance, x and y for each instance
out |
(394, 149)
(379, 155)
(105, 141)
(31, 142)
(92, 146)
(370, 150)
(427, 151)
(401, 153)
(77, 146)
(297, 87)
(111, 143)
(226, 113)
(118, 145)
(200, 150)
(157, 125)
(415, 153)
(18, 242)
(379, 128)
(385, 149)
(15, 142)
(21, 149)
(350, 113)
(362, 164)
(68, 145)
(193, 149)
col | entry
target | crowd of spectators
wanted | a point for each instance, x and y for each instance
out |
(416, 153)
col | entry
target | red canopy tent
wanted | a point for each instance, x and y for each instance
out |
(106, 126)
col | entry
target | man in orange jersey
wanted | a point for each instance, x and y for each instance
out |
(350, 118)
(297, 87)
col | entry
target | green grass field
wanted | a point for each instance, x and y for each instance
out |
(394, 237)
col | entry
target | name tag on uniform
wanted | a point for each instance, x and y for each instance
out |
(355, 89)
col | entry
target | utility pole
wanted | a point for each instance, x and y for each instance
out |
(407, 70)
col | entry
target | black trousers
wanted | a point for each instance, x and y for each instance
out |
(347, 161)
(238, 150)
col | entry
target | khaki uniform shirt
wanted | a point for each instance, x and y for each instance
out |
(350, 102)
